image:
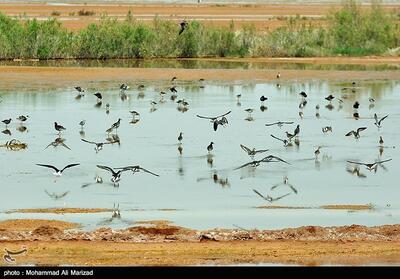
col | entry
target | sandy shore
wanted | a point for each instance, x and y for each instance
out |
(264, 17)
(160, 243)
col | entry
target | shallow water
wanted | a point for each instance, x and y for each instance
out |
(186, 182)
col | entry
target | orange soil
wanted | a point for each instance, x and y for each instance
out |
(263, 16)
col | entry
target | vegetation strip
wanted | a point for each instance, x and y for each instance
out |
(350, 31)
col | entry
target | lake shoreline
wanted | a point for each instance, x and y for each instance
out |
(162, 243)
(40, 78)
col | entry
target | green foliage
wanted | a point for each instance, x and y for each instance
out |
(350, 31)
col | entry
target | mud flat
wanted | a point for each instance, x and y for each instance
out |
(46, 77)
(158, 242)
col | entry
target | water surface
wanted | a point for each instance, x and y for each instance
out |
(186, 183)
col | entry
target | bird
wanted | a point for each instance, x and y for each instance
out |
(123, 87)
(317, 152)
(297, 130)
(326, 129)
(82, 123)
(370, 166)
(58, 127)
(302, 104)
(107, 108)
(116, 213)
(356, 105)
(249, 110)
(223, 121)
(173, 89)
(80, 90)
(289, 135)
(285, 182)
(381, 140)
(356, 134)
(136, 169)
(99, 96)
(134, 113)
(303, 94)
(279, 123)
(183, 24)
(6, 121)
(252, 152)
(116, 124)
(263, 98)
(267, 159)
(56, 196)
(99, 145)
(58, 171)
(180, 137)
(210, 147)
(58, 141)
(329, 98)
(23, 118)
(378, 122)
(285, 142)
(268, 197)
(278, 75)
(215, 120)
(115, 175)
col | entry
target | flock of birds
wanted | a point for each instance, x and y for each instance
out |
(219, 120)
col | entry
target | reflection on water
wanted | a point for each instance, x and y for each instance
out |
(200, 64)
(200, 182)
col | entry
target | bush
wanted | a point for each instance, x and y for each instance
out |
(350, 31)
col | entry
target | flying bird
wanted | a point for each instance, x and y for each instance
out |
(279, 123)
(115, 175)
(256, 163)
(370, 166)
(58, 141)
(356, 134)
(136, 169)
(268, 197)
(215, 119)
(99, 145)
(285, 182)
(252, 152)
(56, 196)
(285, 142)
(58, 171)
(379, 121)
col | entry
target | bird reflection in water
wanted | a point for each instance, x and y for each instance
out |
(223, 182)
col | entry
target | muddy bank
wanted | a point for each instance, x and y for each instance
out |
(48, 77)
(160, 243)
(29, 225)
(163, 231)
